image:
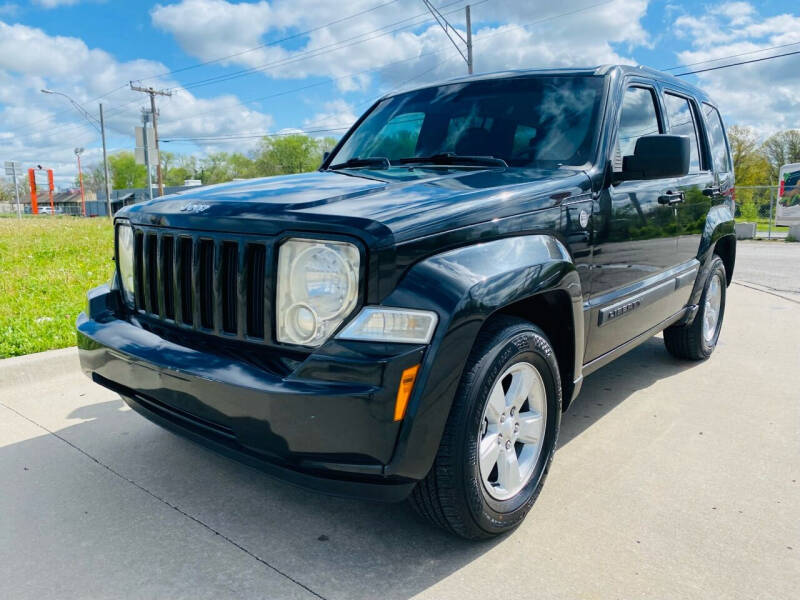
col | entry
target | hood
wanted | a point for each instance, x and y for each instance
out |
(382, 208)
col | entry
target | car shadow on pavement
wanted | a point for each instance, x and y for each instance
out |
(338, 548)
(613, 384)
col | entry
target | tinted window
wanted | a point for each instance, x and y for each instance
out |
(716, 134)
(681, 122)
(639, 118)
(543, 121)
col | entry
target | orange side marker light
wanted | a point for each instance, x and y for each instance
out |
(404, 391)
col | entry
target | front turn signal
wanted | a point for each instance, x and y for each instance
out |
(404, 391)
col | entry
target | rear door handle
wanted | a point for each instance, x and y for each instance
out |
(671, 198)
(712, 191)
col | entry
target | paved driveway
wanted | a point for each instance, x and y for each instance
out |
(673, 480)
(773, 266)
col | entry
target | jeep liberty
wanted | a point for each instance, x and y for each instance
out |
(411, 320)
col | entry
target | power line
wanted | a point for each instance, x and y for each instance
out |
(736, 64)
(272, 43)
(217, 60)
(346, 43)
(710, 60)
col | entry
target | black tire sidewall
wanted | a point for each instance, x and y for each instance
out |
(526, 344)
(717, 268)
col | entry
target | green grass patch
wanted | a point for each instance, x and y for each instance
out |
(47, 264)
(762, 224)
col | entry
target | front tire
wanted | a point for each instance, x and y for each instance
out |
(500, 436)
(697, 340)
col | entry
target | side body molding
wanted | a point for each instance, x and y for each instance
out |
(464, 287)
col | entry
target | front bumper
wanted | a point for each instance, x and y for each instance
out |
(327, 425)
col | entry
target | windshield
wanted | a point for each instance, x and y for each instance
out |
(541, 121)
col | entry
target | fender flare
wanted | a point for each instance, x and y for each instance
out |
(465, 287)
(719, 224)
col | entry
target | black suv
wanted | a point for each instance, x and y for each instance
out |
(413, 318)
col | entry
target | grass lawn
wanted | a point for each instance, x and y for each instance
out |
(46, 266)
(762, 224)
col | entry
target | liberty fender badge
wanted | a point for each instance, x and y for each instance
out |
(194, 207)
(583, 218)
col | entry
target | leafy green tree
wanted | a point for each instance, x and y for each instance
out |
(284, 155)
(781, 148)
(125, 173)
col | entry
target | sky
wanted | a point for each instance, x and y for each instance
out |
(239, 70)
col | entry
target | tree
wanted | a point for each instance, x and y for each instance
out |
(125, 173)
(749, 160)
(294, 153)
(94, 179)
(780, 149)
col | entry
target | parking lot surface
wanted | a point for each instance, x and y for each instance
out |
(772, 266)
(673, 480)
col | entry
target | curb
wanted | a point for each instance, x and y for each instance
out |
(36, 367)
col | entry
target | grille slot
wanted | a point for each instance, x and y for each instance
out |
(167, 275)
(151, 270)
(211, 283)
(229, 283)
(255, 261)
(185, 280)
(206, 284)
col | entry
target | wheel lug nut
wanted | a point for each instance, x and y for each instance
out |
(502, 418)
(512, 411)
(508, 445)
(516, 427)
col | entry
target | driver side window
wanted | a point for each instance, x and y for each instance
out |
(639, 118)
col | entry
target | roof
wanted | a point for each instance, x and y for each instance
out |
(599, 71)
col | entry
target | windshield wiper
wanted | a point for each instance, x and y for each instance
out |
(451, 158)
(355, 162)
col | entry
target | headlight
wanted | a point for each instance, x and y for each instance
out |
(383, 324)
(125, 261)
(317, 289)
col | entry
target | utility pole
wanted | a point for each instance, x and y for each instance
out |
(145, 120)
(153, 93)
(80, 180)
(105, 162)
(447, 28)
(469, 41)
(11, 169)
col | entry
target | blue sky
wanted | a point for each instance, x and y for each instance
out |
(356, 50)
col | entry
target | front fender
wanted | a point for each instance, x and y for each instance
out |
(465, 287)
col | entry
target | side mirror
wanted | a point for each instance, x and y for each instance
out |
(325, 155)
(657, 157)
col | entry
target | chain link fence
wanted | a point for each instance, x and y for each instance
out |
(757, 204)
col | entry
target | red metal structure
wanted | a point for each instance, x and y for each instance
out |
(34, 189)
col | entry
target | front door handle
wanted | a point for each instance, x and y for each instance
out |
(671, 198)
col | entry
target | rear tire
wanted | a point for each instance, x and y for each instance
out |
(697, 340)
(490, 467)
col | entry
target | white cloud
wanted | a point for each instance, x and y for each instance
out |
(336, 114)
(55, 3)
(38, 128)
(762, 94)
(567, 33)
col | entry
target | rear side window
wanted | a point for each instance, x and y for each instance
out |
(639, 118)
(681, 122)
(716, 134)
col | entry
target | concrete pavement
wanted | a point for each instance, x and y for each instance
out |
(673, 480)
(772, 266)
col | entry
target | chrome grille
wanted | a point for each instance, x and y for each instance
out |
(212, 283)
